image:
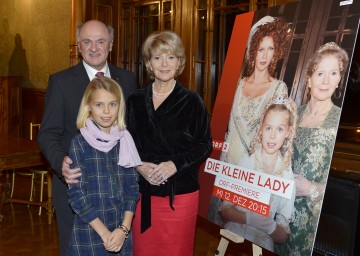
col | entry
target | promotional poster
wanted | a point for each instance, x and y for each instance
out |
(275, 121)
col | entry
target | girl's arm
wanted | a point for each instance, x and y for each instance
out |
(78, 197)
(128, 217)
(100, 229)
(231, 214)
(131, 191)
(265, 224)
(118, 236)
(131, 196)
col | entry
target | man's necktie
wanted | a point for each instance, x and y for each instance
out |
(99, 74)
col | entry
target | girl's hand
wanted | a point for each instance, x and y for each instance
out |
(145, 171)
(105, 235)
(265, 224)
(162, 172)
(302, 185)
(231, 214)
(115, 241)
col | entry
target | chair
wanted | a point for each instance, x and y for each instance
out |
(23, 172)
(40, 171)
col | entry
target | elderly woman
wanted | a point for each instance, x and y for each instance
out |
(314, 144)
(170, 127)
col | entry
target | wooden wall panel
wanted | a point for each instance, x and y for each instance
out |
(10, 105)
(32, 109)
(106, 11)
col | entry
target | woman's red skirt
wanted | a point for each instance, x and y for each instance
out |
(171, 232)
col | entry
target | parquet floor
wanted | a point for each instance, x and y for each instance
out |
(23, 232)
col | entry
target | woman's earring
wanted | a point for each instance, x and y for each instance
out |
(337, 96)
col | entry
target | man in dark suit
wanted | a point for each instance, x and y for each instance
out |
(62, 101)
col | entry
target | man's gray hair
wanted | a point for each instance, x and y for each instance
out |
(109, 28)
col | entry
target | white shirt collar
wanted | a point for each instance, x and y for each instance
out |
(92, 71)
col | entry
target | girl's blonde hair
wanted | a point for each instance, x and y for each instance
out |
(280, 104)
(110, 86)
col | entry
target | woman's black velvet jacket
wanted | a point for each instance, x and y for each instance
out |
(178, 130)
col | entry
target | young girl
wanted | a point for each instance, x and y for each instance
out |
(104, 199)
(271, 153)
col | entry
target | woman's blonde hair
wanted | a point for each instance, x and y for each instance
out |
(280, 104)
(163, 42)
(110, 86)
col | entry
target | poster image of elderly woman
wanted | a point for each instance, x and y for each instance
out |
(314, 144)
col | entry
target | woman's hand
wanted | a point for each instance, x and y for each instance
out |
(162, 172)
(302, 185)
(145, 170)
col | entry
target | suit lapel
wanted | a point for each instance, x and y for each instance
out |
(114, 74)
(80, 72)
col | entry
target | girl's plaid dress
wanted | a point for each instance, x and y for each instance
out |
(105, 190)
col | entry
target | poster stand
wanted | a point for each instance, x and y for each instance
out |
(224, 242)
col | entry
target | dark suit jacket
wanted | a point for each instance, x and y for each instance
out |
(62, 101)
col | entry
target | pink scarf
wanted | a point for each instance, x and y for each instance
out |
(104, 142)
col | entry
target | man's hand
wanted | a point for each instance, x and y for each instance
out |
(70, 175)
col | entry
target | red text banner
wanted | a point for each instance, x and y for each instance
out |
(242, 201)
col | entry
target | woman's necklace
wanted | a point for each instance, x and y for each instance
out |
(316, 114)
(162, 95)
